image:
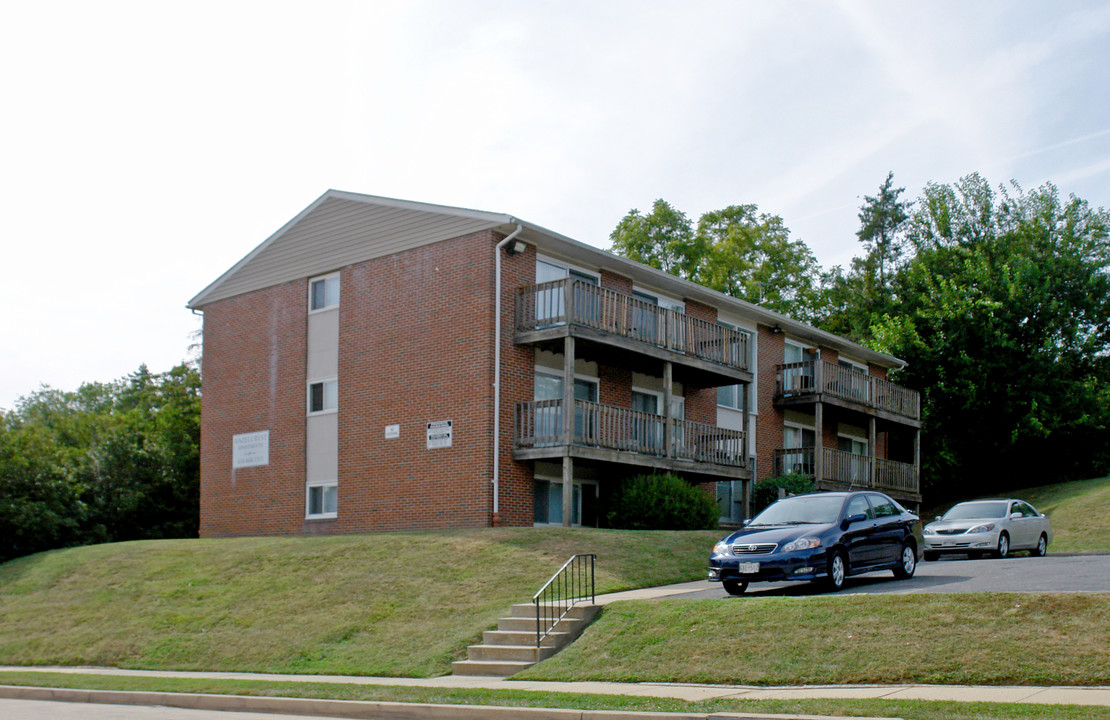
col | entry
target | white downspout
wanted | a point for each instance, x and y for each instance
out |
(496, 520)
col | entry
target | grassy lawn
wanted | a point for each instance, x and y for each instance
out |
(407, 604)
(398, 604)
(974, 639)
(909, 709)
(1080, 513)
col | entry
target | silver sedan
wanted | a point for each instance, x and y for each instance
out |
(988, 526)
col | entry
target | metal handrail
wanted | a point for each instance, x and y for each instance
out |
(569, 586)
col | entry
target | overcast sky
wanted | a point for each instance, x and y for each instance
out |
(146, 147)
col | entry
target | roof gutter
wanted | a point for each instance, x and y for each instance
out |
(496, 520)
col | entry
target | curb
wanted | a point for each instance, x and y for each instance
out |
(365, 709)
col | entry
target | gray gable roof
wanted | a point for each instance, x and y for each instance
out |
(341, 229)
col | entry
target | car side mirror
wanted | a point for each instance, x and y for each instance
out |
(937, 517)
(745, 522)
(1015, 515)
(858, 517)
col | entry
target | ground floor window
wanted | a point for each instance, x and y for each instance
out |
(548, 503)
(322, 500)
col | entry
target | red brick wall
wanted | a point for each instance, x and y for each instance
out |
(253, 380)
(416, 345)
(768, 432)
(616, 282)
(701, 403)
(518, 373)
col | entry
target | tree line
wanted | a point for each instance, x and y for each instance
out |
(997, 298)
(106, 462)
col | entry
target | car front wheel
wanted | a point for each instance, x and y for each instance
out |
(1042, 546)
(735, 587)
(1003, 545)
(907, 562)
(837, 571)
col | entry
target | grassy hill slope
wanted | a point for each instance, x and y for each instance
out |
(399, 604)
(1080, 513)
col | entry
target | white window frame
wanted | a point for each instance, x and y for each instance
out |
(662, 300)
(568, 268)
(552, 373)
(800, 427)
(321, 485)
(657, 394)
(325, 383)
(856, 439)
(331, 300)
(855, 365)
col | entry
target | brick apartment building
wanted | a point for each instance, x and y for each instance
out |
(380, 364)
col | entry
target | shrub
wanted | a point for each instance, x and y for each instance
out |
(661, 502)
(766, 491)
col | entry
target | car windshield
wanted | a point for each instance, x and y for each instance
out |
(802, 510)
(976, 510)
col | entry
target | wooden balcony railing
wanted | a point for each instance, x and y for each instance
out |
(576, 302)
(540, 424)
(819, 376)
(848, 469)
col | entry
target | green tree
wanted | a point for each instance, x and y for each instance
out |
(750, 256)
(1002, 316)
(853, 299)
(663, 239)
(106, 462)
(738, 251)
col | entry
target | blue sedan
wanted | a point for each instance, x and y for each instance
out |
(823, 537)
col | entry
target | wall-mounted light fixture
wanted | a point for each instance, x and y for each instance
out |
(776, 330)
(516, 247)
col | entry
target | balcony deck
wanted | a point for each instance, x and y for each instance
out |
(845, 471)
(551, 310)
(611, 434)
(820, 381)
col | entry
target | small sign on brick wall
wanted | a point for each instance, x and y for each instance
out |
(250, 449)
(439, 434)
(392, 431)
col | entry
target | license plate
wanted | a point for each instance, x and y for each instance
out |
(747, 568)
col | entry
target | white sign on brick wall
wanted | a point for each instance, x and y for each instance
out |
(439, 434)
(250, 449)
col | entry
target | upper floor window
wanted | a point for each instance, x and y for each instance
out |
(323, 396)
(323, 292)
(852, 365)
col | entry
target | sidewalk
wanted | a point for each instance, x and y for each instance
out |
(1097, 696)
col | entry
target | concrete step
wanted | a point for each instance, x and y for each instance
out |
(499, 668)
(522, 637)
(528, 610)
(512, 647)
(514, 653)
(516, 624)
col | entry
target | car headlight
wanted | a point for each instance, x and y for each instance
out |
(982, 528)
(804, 543)
(722, 548)
(930, 530)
